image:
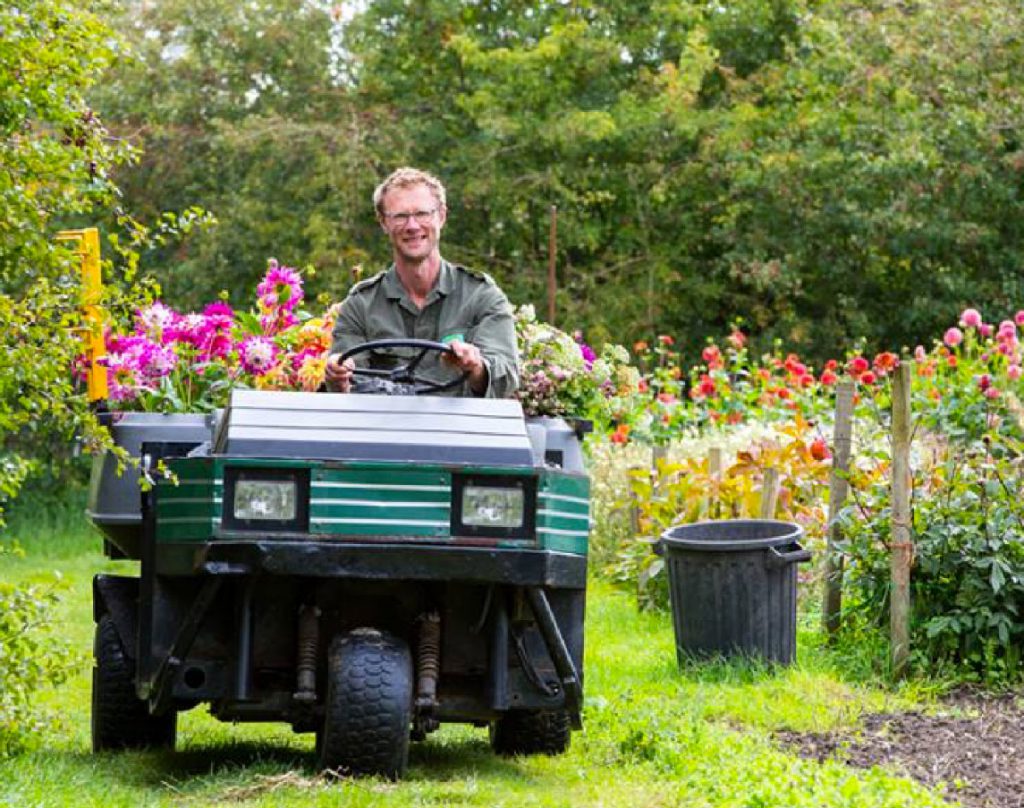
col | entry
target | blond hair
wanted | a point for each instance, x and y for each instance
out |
(406, 177)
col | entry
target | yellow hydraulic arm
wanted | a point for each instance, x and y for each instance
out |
(92, 290)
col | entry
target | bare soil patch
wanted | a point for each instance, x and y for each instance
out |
(973, 743)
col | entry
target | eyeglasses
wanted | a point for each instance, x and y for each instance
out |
(402, 219)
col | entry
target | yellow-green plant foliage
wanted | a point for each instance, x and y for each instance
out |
(684, 489)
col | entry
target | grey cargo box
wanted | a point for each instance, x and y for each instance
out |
(331, 426)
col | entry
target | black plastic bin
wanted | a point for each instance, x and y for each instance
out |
(733, 587)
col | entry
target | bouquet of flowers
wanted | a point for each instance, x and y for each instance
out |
(188, 362)
(561, 375)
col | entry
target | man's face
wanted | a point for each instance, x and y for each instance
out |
(413, 219)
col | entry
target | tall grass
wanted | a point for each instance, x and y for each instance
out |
(51, 524)
(654, 734)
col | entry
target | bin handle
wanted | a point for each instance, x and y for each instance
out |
(797, 556)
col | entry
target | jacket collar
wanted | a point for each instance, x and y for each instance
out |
(445, 283)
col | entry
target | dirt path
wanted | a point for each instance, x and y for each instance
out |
(975, 744)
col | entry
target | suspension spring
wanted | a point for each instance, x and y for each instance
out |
(428, 660)
(308, 648)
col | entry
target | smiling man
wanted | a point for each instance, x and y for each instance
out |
(423, 296)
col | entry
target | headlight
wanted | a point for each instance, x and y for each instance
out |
(489, 506)
(266, 500)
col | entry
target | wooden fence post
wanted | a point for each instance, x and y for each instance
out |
(552, 253)
(901, 544)
(770, 493)
(838, 489)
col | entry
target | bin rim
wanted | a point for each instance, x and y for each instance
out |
(712, 535)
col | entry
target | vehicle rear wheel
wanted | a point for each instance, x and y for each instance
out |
(531, 732)
(121, 720)
(369, 705)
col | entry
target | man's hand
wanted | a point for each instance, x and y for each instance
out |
(339, 374)
(468, 358)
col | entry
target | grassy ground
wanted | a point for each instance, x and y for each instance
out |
(654, 736)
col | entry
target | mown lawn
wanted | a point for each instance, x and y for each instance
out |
(653, 736)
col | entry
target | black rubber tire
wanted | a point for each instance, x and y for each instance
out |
(369, 705)
(121, 720)
(531, 732)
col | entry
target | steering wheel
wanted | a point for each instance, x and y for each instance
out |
(405, 374)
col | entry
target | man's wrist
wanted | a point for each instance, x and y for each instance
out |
(479, 380)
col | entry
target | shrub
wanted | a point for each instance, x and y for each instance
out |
(967, 583)
(30, 659)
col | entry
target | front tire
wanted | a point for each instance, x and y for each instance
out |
(531, 732)
(120, 719)
(369, 705)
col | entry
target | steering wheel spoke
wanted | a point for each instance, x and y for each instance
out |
(411, 367)
(379, 373)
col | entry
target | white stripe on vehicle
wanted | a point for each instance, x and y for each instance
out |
(380, 503)
(565, 498)
(396, 522)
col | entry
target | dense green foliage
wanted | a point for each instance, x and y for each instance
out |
(56, 162)
(824, 170)
(54, 165)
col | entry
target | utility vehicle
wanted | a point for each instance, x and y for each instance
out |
(362, 566)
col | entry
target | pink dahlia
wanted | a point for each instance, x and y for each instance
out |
(191, 329)
(857, 365)
(154, 320)
(280, 287)
(588, 355)
(220, 319)
(953, 337)
(970, 318)
(258, 355)
(276, 320)
(122, 381)
(156, 361)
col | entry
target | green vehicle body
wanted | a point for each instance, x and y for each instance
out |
(377, 572)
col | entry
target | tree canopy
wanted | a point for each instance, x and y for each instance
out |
(825, 171)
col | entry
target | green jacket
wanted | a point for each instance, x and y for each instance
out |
(463, 304)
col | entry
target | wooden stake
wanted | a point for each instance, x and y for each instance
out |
(634, 510)
(715, 473)
(658, 455)
(902, 547)
(552, 249)
(838, 490)
(770, 493)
